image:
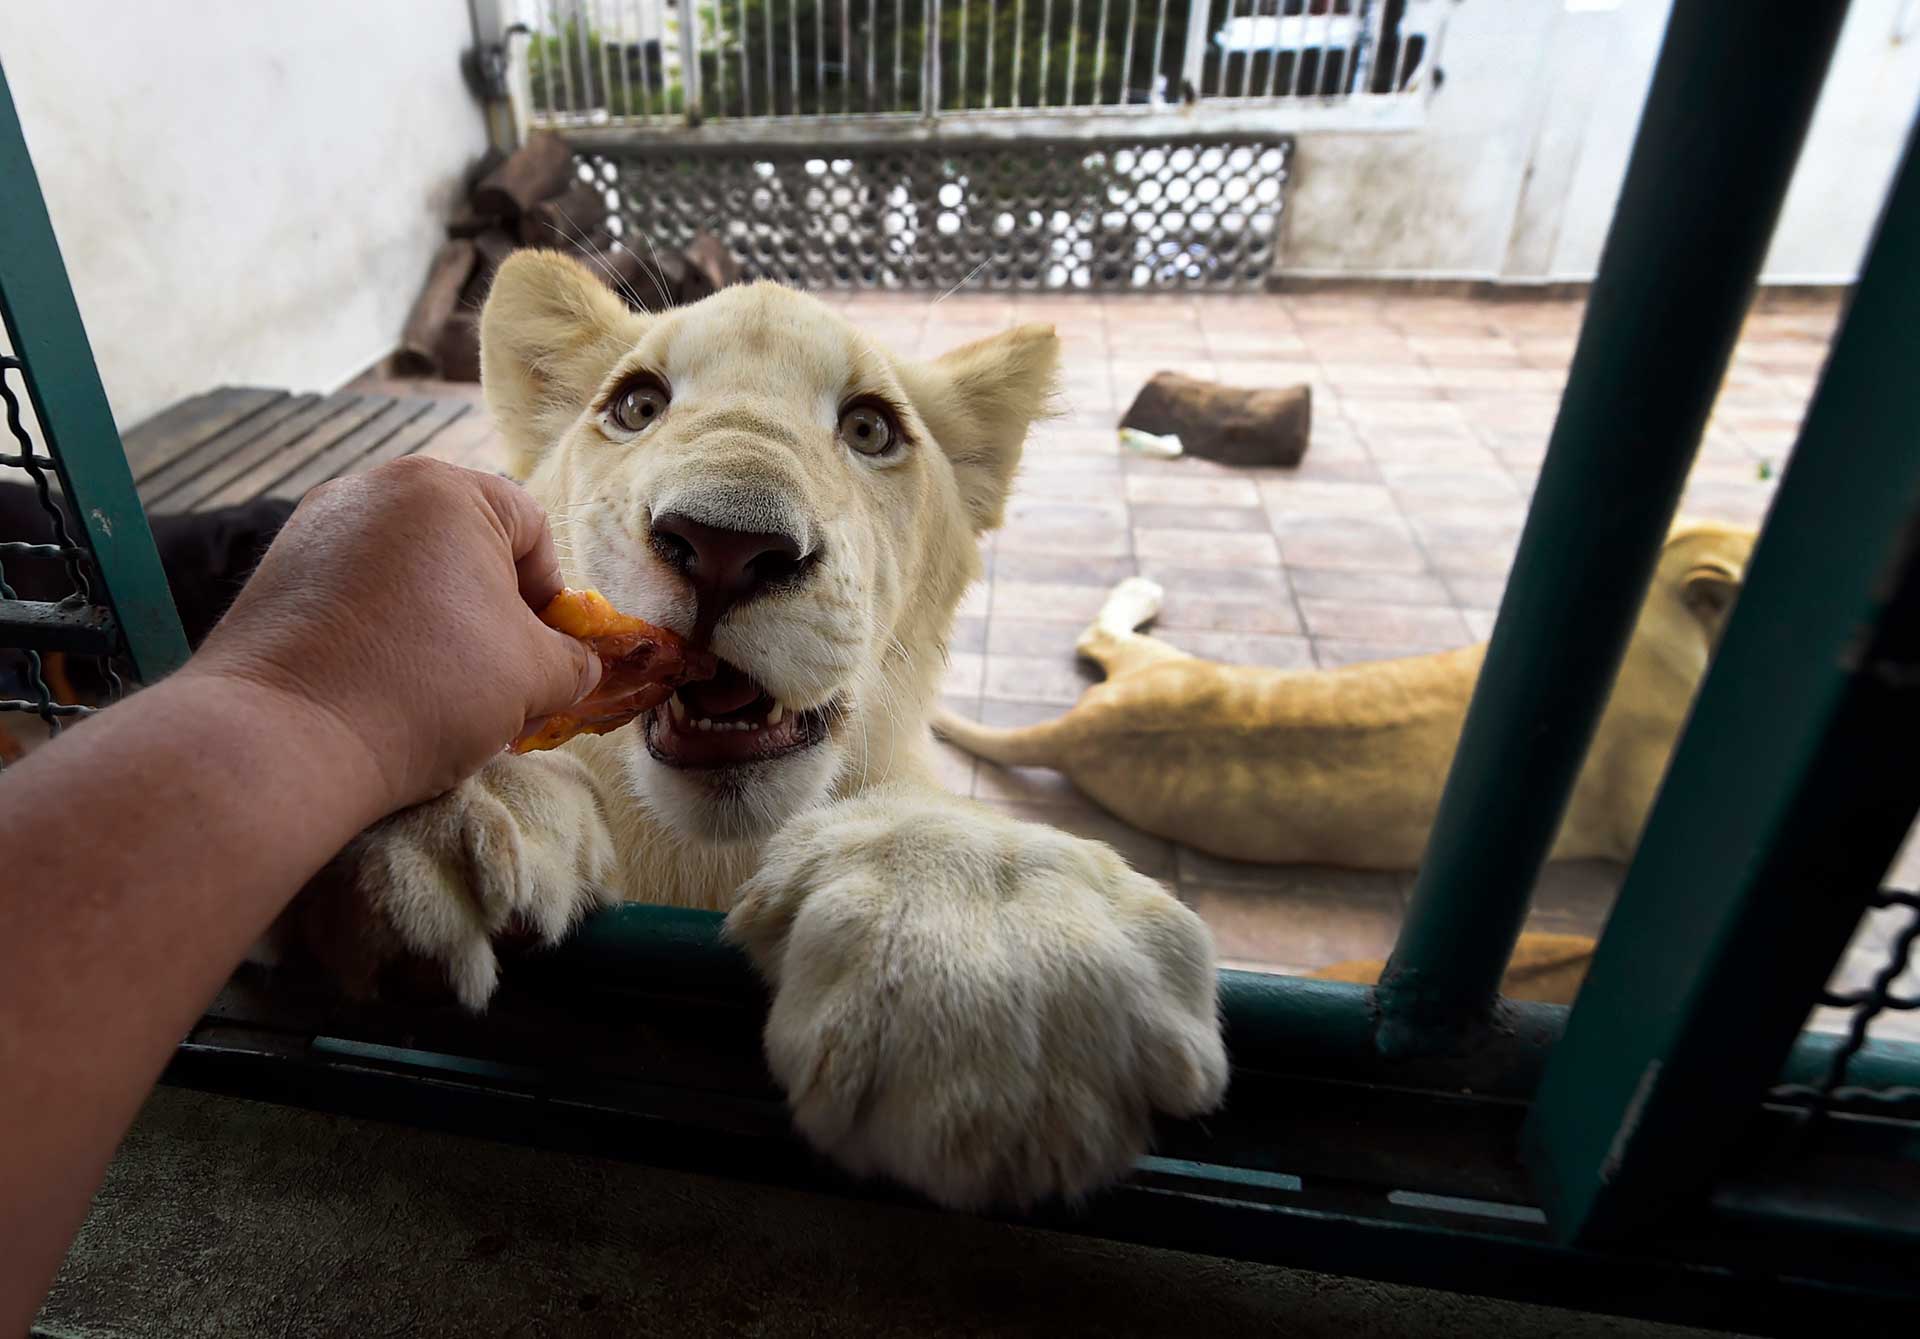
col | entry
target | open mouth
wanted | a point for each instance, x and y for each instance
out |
(728, 721)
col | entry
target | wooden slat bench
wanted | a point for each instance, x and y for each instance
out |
(240, 442)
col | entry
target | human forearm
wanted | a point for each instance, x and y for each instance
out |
(143, 853)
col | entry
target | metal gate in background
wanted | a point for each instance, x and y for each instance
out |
(666, 64)
(1005, 144)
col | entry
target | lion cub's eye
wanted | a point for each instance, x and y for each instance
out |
(638, 407)
(868, 430)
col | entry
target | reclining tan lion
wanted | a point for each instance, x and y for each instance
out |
(987, 1010)
(1345, 766)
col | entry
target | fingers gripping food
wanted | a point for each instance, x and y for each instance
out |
(642, 666)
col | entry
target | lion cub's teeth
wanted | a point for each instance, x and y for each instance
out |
(703, 724)
(677, 708)
(778, 714)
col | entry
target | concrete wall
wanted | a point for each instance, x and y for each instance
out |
(246, 191)
(1515, 174)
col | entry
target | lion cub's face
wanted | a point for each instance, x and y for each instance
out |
(755, 474)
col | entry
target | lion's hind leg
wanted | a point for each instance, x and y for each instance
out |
(1111, 640)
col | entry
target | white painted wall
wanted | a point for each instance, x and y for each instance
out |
(1515, 174)
(246, 191)
(1861, 123)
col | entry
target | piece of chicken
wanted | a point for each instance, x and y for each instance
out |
(643, 665)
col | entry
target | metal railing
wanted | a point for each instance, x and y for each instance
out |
(612, 64)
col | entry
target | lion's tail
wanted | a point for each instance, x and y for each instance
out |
(1033, 746)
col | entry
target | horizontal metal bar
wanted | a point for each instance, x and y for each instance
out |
(20, 549)
(1278, 1024)
(23, 707)
(1273, 1022)
(1884, 1076)
(1723, 124)
(1006, 124)
(39, 625)
(1795, 1177)
(1764, 847)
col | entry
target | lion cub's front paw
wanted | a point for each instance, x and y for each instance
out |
(510, 850)
(986, 1010)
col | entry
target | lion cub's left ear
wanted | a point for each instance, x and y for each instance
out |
(549, 334)
(979, 401)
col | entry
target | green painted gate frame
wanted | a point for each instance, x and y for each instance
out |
(55, 360)
(1626, 1157)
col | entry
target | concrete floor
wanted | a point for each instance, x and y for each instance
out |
(222, 1217)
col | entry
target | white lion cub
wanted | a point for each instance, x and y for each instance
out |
(987, 1010)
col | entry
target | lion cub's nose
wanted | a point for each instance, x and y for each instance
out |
(725, 567)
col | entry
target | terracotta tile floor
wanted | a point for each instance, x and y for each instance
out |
(1392, 538)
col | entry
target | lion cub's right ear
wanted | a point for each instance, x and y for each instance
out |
(549, 334)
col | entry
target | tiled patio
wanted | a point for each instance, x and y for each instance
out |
(1392, 538)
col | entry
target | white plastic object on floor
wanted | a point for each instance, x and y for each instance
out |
(1147, 444)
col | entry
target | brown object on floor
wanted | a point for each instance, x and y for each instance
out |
(631, 276)
(537, 199)
(470, 223)
(1225, 423)
(494, 246)
(457, 355)
(569, 221)
(666, 280)
(713, 268)
(1545, 968)
(643, 665)
(540, 168)
(420, 338)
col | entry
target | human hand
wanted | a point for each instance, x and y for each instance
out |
(398, 606)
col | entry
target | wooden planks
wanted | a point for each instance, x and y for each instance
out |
(260, 469)
(334, 459)
(412, 437)
(472, 441)
(197, 456)
(174, 432)
(315, 419)
(234, 444)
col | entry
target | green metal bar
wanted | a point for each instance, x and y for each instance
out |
(1283, 1024)
(1728, 109)
(1277, 1022)
(1787, 797)
(43, 323)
